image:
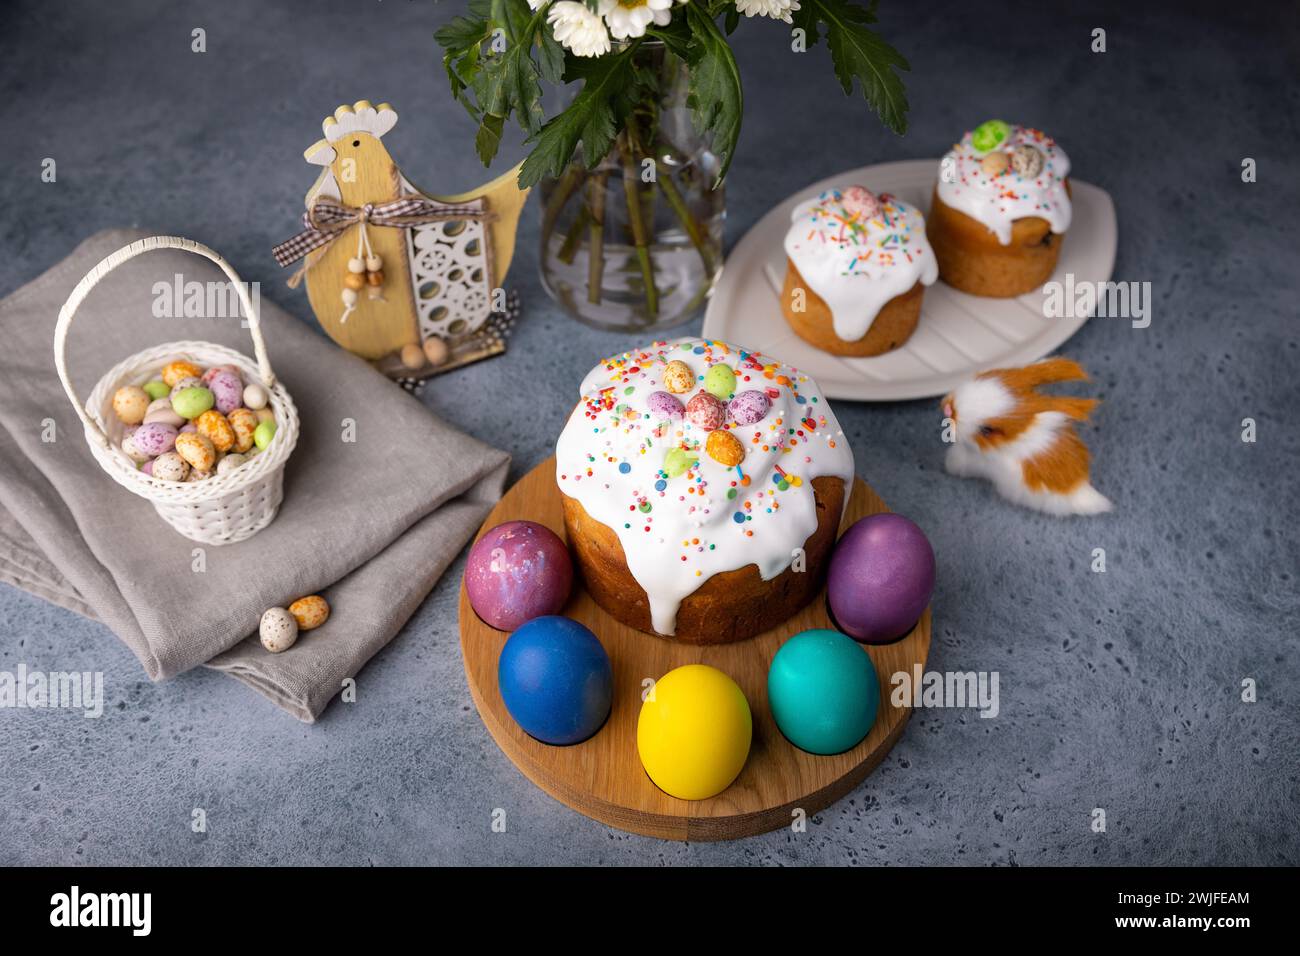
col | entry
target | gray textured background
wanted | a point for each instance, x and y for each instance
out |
(1119, 690)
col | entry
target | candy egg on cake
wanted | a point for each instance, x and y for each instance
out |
(881, 578)
(688, 525)
(556, 680)
(857, 267)
(517, 571)
(1000, 211)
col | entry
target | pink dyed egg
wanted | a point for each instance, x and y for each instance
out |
(664, 405)
(518, 571)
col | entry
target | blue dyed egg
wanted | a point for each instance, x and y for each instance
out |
(823, 691)
(556, 680)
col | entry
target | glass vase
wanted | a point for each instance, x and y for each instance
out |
(635, 243)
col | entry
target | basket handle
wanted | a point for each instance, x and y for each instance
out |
(111, 262)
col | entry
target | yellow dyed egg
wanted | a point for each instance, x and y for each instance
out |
(678, 377)
(694, 732)
(310, 612)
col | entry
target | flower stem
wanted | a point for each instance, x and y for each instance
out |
(564, 188)
(689, 223)
(636, 219)
(596, 211)
(572, 238)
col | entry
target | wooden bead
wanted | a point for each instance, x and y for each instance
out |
(354, 281)
(412, 356)
(375, 278)
(435, 350)
(374, 263)
(356, 265)
(349, 297)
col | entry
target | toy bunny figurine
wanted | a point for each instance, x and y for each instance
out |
(1022, 440)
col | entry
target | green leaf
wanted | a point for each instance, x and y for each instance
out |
(714, 95)
(860, 54)
(488, 138)
(676, 36)
(551, 55)
(589, 120)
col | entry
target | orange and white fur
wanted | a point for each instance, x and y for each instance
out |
(1022, 440)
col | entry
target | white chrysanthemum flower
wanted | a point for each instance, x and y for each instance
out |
(629, 18)
(578, 29)
(776, 9)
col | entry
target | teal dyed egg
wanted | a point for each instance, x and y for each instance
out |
(720, 381)
(823, 691)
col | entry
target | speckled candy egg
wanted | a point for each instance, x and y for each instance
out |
(188, 382)
(1027, 161)
(255, 396)
(435, 350)
(170, 466)
(216, 370)
(989, 135)
(310, 612)
(227, 391)
(995, 164)
(749, 407)
(173, 372)
(664, 405)
(725, 448)
(156, 389)
(720, 381)
(880, 579)
(192, 402)
(154, 438)
(278, 629)
(678, 377)
(230, 462)
(518, 571)
(263, 433)
(135, 454)
(705, 411)
(860, 202)
(244, 423)
(130, 402)
(160, 410)
(197, 450)
(213, 424)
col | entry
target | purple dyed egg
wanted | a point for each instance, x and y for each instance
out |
(881, 578)
(227, 390)
(706, 411)
(664, 405)
(749, 408)
(516, 572)
(154, 438)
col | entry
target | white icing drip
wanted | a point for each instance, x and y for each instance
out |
(855, 265)
(998, 201)
(691, 515)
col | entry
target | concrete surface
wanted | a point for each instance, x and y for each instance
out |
(1119, 690)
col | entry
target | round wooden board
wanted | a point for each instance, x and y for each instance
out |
(603, 778)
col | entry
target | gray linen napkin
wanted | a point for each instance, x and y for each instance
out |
(371, 523)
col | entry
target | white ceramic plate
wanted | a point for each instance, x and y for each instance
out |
(958, 334)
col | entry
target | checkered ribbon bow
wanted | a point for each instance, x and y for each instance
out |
(327, 218)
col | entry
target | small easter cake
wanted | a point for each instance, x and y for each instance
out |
(1000, 211)
(858, 265)
(703, 487)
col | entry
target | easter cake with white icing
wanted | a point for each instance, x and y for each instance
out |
(703, 487)
(1001, 209)
(857, 268)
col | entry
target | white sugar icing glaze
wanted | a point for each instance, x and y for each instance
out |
(998, 201)
(858, 264)
(678, 532)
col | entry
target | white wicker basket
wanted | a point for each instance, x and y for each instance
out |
(218, 510)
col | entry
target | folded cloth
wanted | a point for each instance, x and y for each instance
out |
(379, 495)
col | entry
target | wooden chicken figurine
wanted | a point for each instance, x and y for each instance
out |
(396, 274)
